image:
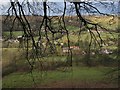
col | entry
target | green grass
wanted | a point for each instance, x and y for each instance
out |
(104, 21)
(79, 74)
(93, 74)
(9, 55)
(15, 33)
(72, 28)
(85, 36)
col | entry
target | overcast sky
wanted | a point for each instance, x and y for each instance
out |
(4, 5)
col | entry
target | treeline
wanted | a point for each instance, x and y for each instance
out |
(11, 22)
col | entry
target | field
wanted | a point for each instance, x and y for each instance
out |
(52, 71)
(80, 77)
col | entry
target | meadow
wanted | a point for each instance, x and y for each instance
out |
(53, 72)
(79, 77)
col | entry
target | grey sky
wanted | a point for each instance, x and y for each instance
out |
(103, 9)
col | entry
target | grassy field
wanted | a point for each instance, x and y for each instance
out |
(84, 75)
(15, 33)
(105, 21)
(77, 76)
(55, 73)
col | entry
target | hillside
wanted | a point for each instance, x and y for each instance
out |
(35, 21)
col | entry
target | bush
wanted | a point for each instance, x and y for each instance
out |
(13, 60)
(106, 60)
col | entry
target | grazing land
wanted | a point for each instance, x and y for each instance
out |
(53, 72)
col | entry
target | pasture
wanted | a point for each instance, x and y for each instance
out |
(52, 71)
(79, 77)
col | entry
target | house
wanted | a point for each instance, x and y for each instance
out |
(1, 39)
(16, 41)
(105, 51)
(75, 47)
(66, 49)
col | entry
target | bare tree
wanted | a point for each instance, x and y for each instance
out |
(46, 26)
